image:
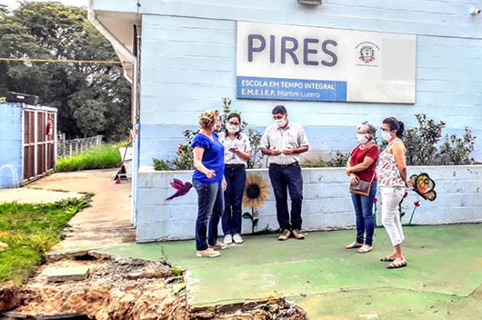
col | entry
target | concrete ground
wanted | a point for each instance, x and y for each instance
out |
(442, 281)
(27, 195)
(105, 223)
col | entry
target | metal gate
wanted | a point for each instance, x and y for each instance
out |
(39, 148)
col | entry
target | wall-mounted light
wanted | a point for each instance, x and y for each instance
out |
(311, 2)
(474, 11)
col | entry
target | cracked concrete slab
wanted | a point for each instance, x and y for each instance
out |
(445, 264)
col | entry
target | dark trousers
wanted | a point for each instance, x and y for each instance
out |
(233, 196)
(365, 225)
(210, 209)
(284, 179)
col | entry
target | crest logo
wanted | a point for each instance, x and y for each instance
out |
(367, 53)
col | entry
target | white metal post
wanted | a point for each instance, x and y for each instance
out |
(55, 141)
(46, 142)
(22, 160)
(35, 142)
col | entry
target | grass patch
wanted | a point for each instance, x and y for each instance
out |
(30, 230)
(106, 156)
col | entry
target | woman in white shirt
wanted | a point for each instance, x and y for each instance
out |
(237, 151)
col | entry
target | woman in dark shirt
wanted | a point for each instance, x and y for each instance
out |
(208, 180)
(361, 166)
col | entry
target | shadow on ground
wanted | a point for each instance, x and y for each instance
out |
(441, 281)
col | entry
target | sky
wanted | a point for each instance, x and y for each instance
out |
(12, 4)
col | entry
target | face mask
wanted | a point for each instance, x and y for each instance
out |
(280, 122)
(361, 137)
(232, 128)
(386, 135)
(217, 127)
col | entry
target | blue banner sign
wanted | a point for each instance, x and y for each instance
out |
(290, 89)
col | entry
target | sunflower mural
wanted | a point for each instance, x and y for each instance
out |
(255, 195)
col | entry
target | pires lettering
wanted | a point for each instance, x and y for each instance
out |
(290, 49)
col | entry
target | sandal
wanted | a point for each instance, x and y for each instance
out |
(353, 245)
(365, 249)
(397, 264)
(387, 259)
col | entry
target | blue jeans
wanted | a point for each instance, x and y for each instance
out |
(233, 196)
(210, 210)
(365, 225)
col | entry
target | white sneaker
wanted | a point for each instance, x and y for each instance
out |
(228, 239)
(237, 239)
(208, 253)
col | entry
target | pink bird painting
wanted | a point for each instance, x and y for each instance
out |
(182, 188)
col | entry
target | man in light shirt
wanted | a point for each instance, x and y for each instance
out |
(283, 142)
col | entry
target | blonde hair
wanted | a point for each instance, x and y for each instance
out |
(207, 118)
(370, 129)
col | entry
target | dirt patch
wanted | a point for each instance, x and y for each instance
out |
(276, 308)
(9, 296)
(117, 288)
(124, 288)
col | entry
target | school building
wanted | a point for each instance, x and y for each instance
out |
(332, 63)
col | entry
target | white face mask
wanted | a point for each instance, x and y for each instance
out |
(216, 127)
(362, 138)
(386, 135)
(232, 128)
(280, 122)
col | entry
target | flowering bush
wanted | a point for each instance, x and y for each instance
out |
(184, 159)
(424, 148)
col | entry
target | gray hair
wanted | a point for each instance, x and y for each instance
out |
(369, 128)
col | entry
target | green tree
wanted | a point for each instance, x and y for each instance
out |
(92, 98)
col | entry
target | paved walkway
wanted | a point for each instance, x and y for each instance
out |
(330, 282)
(27, 195)
(107, 221)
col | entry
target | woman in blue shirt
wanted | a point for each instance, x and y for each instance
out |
(208, 180)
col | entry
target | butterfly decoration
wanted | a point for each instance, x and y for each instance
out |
(424, 186)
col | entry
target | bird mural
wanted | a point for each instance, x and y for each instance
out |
(182, 188)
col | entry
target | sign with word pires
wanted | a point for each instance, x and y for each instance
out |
(280, 62)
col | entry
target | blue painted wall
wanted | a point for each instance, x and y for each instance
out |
(189, 63)
(11, 141)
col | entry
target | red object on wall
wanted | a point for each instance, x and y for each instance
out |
(50, 128)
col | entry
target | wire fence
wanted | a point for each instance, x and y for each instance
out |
(68, 148)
